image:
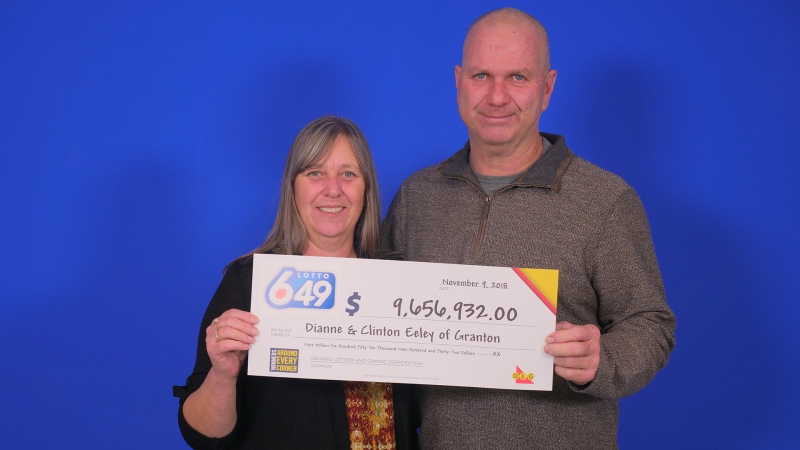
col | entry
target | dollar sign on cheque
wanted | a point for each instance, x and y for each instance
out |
(353, 308)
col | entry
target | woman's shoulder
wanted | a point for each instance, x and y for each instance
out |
(241, 267)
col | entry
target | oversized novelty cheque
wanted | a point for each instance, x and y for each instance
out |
(403, 322)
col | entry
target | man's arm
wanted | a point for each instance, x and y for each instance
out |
(636, 327)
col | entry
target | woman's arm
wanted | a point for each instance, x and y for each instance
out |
(211, 409)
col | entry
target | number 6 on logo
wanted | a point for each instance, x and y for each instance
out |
(280, 293)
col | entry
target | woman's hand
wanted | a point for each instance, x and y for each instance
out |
(228, 339)
(211, 409)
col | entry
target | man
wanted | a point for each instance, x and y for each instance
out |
(520, 198)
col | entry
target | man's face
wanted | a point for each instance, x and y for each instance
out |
(504, 85)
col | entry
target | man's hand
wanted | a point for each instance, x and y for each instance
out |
(576, 351)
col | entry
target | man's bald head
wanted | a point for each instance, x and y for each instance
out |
(511, 16)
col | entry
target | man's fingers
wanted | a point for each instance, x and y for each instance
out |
(577, 376)
(577, 363)
(573, 349)
(567, 332)
(563, 325)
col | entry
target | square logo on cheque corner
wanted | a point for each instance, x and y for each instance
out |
(283, 359)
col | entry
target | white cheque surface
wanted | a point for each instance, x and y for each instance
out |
(403, 322)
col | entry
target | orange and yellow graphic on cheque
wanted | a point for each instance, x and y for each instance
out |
(543, 283)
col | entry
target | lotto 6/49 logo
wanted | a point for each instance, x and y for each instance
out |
(298, 289)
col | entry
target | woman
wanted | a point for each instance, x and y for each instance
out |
(329, 207)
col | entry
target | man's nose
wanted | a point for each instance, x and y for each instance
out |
(498, 92)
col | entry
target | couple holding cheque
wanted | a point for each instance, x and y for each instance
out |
(324, 337)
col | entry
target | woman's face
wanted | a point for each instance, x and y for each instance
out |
(330, 196)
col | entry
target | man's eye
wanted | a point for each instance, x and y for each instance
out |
(519, 78)
(481, 76)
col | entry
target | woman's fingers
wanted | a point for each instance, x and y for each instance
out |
(235, 333)
(241, 321)
(234, 324)
(228, 338)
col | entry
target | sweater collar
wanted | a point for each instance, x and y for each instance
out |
(546, 172)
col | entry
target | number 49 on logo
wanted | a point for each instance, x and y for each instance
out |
(301, 289)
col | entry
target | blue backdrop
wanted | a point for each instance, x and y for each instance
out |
(143, 141)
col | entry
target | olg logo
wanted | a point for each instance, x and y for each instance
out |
(520, 377)
(298, 289)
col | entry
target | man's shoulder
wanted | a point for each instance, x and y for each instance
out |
(587, 175)
(426, 174)
(429, 174)
(579, 167)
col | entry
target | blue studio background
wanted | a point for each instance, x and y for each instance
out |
(143, 142)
